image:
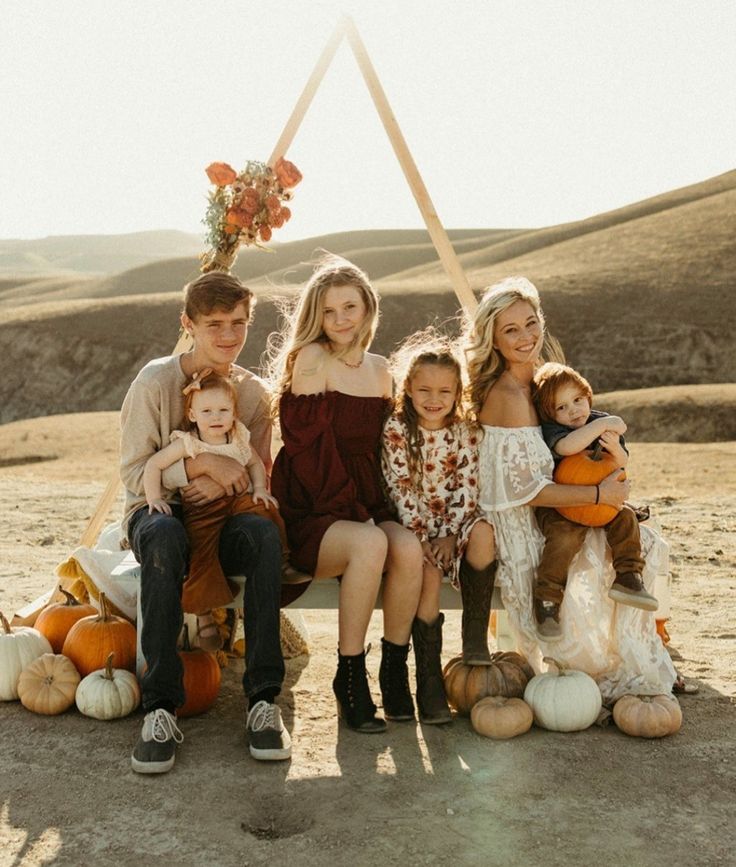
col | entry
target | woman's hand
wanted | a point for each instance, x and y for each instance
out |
(612, 492)
(428, 554)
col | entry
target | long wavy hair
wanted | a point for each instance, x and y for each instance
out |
(425, 348)
(484, 363)
(303, 319)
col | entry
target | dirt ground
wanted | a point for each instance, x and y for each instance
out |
(414, 795)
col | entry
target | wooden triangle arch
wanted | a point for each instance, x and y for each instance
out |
(345, 29)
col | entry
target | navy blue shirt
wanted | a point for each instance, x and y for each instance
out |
(554, 432)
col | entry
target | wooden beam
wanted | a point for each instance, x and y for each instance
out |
(436, 230)
(310, 89)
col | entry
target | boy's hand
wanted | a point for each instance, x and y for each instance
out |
(159, 506)
(615, 423)
(261, 495)
(201, 491)
(610, 442)
(444, 551)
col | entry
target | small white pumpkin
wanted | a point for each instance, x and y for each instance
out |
(47, 685)
(19, 646)
(109, 693)
(563, 700)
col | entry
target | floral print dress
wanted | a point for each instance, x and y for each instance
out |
(448, 500)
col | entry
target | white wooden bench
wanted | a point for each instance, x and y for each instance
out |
(321, 594)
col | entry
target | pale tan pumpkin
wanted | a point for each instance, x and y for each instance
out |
(92, 639)
(48, 684)
(19, 646)
(648, 716)
(465, 685)
(563, 700)
(498, 717)
(109, 693)
(57, 619)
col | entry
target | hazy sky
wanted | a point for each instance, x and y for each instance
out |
(517, 113)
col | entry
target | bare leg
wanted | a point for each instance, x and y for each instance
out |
(402, 583)
(429, 601)
(481, 549)
(358, 553)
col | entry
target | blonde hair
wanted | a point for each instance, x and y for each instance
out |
(548, 380)
(304, 318)
(483, 361)
(427, 347)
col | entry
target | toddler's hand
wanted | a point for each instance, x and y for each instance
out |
(444, 551)
(159, 506)
(610, 442)
(261, 495)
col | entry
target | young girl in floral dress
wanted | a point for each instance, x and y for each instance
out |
(430, 465)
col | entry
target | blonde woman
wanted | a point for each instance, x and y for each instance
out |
(334, 396)
(504, 343)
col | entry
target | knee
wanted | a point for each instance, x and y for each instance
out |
(371, 545)
(405, 548)
(481, 550)
(163, 533)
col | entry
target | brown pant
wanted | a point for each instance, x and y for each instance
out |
(206, 586)
(563, 540)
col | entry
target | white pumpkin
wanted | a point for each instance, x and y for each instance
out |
(19, 646)
(109, 693)
(563, 700)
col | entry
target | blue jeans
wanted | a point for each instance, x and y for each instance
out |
(250, 546)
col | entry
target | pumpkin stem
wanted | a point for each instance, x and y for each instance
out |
(186, 646)
(6, 625)
(108, 675)
(104, 613)
(597, 453)
(70, 600)
(560, 666)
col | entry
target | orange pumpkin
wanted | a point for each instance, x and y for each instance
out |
(201, 679)
(589, 467)
(465, 685)
(648, 716)
(57, 619)
(92, 639)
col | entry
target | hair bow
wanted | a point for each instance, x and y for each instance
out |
(196, 383)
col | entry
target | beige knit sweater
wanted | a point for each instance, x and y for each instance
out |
(154, 407)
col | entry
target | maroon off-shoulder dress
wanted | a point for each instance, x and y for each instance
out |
(329, 468)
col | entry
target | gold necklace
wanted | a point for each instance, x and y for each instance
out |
(352, 364)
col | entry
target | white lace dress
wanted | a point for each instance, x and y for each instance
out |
(616, 644)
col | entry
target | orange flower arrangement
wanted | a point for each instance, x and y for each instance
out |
(245, 207)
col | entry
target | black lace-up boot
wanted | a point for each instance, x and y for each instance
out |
(354, 703)
(393, 677)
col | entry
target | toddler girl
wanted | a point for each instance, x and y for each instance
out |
(211, 425)
(430, 464)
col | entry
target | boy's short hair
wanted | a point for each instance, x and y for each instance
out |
(548, 380)
(216, 290)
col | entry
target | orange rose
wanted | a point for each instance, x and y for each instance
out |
(272, 203)
(287, 173)
(286, 214)
(277, 220)
(239, 217)
(265, 233)
(251, 201)
(221, 174)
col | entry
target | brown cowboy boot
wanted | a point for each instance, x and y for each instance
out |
(476, 589)
(431, 698)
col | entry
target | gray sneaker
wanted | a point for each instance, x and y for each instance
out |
(268, 740)
(154, 752)
(628, 589)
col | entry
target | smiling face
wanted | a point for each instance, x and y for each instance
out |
(518, 333)
(571, 406)
(213, 412)
(219, 336)
(343, 312)
(433, 391)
